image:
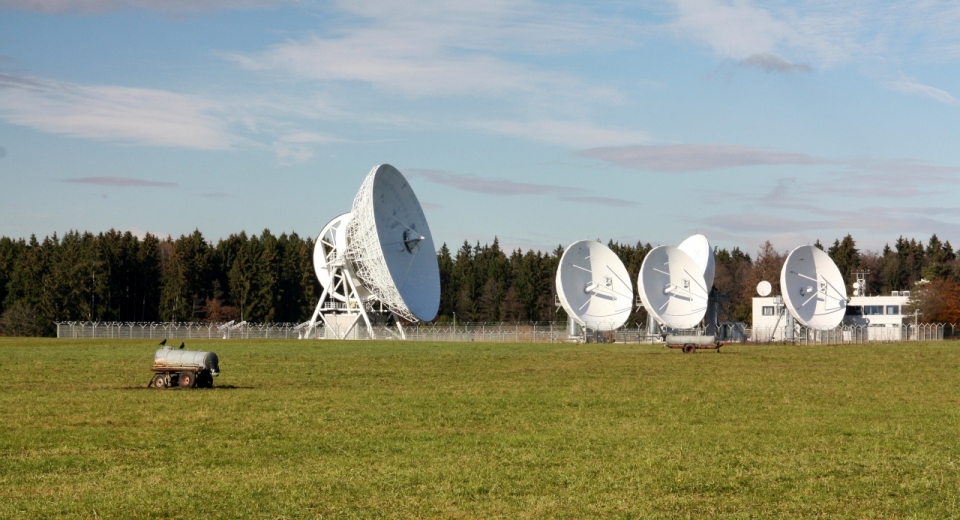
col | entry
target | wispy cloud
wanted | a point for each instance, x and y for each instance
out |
(299, 147)
(603, 201)
(447, 48)
(683, 158)
(112, 113)
(734, 30)
(826, 33)
(569, 133)
(875, 221)
(103, 6)
(477, 184)
(898, 178)
(772, 63)
(912, 87)
(506, 187)
(823, 33)
(792, 212)
(121, 182)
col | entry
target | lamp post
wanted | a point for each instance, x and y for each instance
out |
(454, 323)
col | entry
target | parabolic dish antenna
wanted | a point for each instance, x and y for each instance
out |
(698, 247)
(594, 287)
(329, 253)
(813, 289)
(764, 288)
(672, 288)
(391, 246)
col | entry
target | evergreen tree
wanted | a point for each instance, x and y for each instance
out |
(174, 300)
(448, 294)
(845, 254)
(734, 273)
(241, 276)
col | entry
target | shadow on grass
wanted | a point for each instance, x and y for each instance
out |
(178, 389)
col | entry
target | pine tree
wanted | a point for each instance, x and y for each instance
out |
(847, 258)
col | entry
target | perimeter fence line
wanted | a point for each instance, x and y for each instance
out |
(515, 332)
(856, 334)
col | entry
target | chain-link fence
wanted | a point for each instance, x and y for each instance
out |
(158, 331)
(855, 334)
(518, 332)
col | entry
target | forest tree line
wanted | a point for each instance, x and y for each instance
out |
(116, 276)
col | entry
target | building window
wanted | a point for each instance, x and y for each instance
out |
(893, 309)
(854, 310)
(872, 310)
(768, 311)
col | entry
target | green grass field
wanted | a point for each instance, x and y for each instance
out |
(472, 430)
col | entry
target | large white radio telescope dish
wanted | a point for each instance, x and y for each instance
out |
(813, 289)
(391, 246)
(672, 288)
(698, 247)
(594, 287)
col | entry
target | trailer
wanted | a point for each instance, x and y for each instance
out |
(692, 343)
(184, 368)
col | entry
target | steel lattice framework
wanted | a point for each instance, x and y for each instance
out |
(367, 256)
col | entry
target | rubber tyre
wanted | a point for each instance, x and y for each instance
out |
(159, 381)
(187, 380)
(689, 349)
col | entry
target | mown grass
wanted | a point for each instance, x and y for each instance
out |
(384, 429)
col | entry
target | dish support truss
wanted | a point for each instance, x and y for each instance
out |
(341, 306)
(367, 256)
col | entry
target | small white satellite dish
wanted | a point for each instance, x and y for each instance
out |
(672, 288)
(594, 286)
(391, 246)
(698, 247)
(856, 285)
(764, 288)
(813, 289)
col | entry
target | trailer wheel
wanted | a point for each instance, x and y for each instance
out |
(158, 381)
(187, 380)
(689, 349)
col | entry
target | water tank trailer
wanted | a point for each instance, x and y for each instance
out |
(692, 343)
(184, 368)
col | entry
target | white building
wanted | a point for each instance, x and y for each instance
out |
(882, 316)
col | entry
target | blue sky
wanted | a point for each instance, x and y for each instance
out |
(539, 123)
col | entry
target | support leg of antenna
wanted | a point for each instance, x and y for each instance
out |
(354, 295)
(396, 318)
(316, 313)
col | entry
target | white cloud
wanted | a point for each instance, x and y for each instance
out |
(446, 48)
(112, 113)
(823, 33)
(733, 29)
(738, 29)
(909, 86)
(102, 6)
